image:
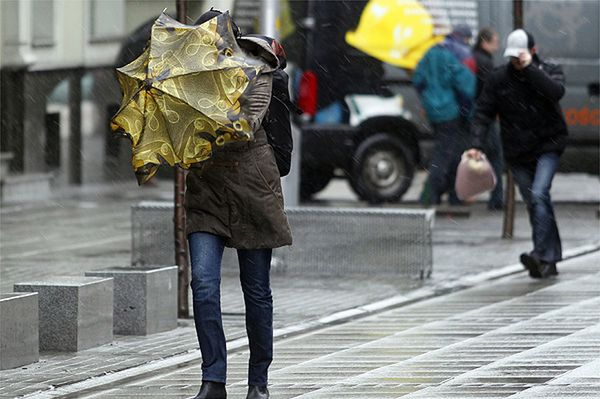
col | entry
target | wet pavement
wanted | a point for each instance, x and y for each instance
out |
(514, 337)
(87, 229)
(566, 188)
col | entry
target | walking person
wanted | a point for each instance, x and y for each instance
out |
(235, 200)
(525, 94)
(483, 51)
(445, 82)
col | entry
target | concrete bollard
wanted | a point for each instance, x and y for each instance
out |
(145, 298)
(327, 241)
(19, 329)
(76, 313)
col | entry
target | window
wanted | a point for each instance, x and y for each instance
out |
(107, 20)
(42, 23)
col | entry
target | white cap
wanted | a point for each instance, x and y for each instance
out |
(516, 43)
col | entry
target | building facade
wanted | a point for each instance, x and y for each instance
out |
(58, 86)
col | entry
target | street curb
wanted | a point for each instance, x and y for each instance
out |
(157, 367)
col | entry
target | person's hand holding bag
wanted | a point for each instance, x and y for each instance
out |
(474, 175)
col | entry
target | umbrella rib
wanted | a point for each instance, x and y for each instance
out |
(243, 68)
(130, 100)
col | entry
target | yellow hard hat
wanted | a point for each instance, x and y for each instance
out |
(398, 32)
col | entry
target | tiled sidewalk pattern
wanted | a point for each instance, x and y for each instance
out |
(71, 236)
(511, 337)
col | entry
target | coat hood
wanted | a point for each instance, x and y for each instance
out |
(260, 47)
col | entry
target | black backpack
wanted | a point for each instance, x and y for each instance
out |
(277, 122)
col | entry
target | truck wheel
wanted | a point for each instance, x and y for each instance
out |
(383, 168)
(313, 180)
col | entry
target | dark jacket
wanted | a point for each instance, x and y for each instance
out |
(527, 103)
(237, 193)
(485, 65)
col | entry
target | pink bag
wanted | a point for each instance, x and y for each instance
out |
(474, 177)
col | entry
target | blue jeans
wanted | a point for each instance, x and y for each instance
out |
(535, 180)
(206, 253)
(450, 142)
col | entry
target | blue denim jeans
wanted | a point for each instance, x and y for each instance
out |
(206, 253)
(535, 180)
(450, 142)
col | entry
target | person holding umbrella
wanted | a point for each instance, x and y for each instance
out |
(195, 98)
(235, 200)
(525, 94)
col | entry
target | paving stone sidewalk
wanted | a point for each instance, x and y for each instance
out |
(91, 230)
(514, 337)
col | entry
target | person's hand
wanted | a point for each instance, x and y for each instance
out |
(474, 153)
(525, 59)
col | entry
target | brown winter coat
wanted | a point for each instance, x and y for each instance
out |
(237, 193)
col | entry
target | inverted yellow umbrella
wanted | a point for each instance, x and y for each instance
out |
(182, 97)
(398, 32)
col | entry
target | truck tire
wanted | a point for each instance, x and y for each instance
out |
(313, 180)
(383, 167)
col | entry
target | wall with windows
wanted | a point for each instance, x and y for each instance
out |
(59, 88)
(58, 34)
(140, 11)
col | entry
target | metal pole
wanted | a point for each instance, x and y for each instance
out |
(509, 208)
(12, 114)
(181, 250)
(270, 20)
(75, 148)
(518, 14)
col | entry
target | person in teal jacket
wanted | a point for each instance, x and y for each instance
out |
(446, 86)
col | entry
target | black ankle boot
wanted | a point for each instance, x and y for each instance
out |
(538, 268)
(547, 269)
(211, 390)
(255, 392)
(531, 264)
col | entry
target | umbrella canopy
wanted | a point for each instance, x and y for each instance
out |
(398, 32)
(182, 98)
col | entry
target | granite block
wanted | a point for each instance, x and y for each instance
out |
(19, 329)
(25, 187)
(145, 298)
(343, 241)
(151, 222)
(327, 241)
(76, 313)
